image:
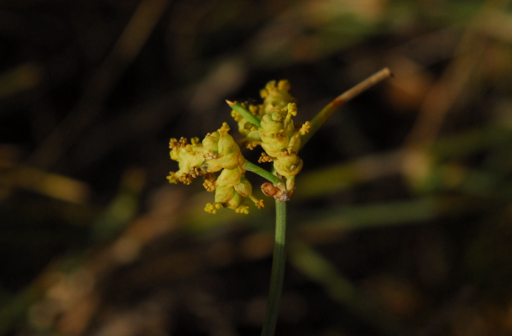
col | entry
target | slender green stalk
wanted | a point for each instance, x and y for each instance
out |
(244, 112)
(279, 256)
(277, 276)
(339, 101)
(262, 172)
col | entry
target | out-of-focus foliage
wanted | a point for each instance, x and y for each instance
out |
(400, 222)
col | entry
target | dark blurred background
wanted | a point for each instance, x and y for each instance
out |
(401, 221)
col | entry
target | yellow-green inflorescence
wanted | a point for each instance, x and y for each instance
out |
(276, 134)
(218, 152)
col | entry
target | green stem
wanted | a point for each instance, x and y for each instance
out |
(262, 172)
(276, 279)
(339, 101)
(278, 263)
(244, 113)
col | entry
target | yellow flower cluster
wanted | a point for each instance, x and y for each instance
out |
(217, 152)
(271, 128)
(277, 134)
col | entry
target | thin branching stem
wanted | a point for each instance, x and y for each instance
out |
(342, 99)
(279, 259)
(244, 113)
(262, 172)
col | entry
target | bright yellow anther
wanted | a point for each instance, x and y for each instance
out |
(186, 179)
(172, 178)
(236, 115)
(253, 144)
(259, 203)
(271, 86)
(209, 185)
(292, 112)
(290, 151)
(210, 208)
(210, 156)
(305, 128)
(196, 172)
(284, 84)
(265, 158)
(253, 109)
(242, 209)
(224, 129)
(174, 143)
(189, 148)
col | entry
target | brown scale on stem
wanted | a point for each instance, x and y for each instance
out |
(279, 192)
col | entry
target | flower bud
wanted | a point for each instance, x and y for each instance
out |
(229, 177)
(235, 201)
(244, 188)
(211, 141)
(224, 194)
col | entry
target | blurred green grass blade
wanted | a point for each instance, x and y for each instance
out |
(374, 215)
(341, 176)
(14, 310)
(470, 142)
(122, 209)
(340, 289)
(345, 175)
(392, 213)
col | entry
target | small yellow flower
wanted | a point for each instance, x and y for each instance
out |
(242, 209)
(265, 158)
(305, 128)
(271, 127)
(218, 152)
(259, 203)
(212, 208)
(172, 178)
(276, 97)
